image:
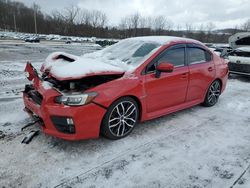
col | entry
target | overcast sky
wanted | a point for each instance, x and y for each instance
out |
(223, 13)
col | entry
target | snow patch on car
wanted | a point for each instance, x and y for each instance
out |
(53, 58)
(121, 57)
(82, 67)
(46, 85)
(162, 40)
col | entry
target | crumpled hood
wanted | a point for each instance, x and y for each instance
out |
(64, 66)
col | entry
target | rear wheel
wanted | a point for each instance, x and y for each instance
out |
(120, 118)
(213, 94)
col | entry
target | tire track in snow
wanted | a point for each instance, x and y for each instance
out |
(67, 181)
(239, 178)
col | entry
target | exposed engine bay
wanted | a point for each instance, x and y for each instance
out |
(80, 84)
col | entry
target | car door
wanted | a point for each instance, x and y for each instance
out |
(201, 71)
(170, 88)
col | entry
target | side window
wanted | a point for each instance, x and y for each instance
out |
(175, 56)
(198, 55)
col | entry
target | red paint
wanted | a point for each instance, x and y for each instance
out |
(184, 87)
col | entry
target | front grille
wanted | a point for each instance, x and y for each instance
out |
(33, 94)
(237, 67)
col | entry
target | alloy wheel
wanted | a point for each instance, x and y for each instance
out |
(122, 118)
(214, 93)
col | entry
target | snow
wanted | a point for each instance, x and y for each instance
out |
(51, 60)
(235, 59)
(46, 85)
(196, 147)
(162, 40)
(216, 52)
(245, 49)
(120, 57)
(82, 67)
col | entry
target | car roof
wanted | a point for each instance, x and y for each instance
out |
(164, 40)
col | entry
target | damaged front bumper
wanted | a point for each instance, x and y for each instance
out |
(66, 122)
(59, 120)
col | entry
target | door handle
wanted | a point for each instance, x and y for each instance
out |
(184, 75)
(210, 69)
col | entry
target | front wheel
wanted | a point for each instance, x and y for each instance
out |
(213, 94)
(120, 118)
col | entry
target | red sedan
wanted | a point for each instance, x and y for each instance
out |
(111, 90)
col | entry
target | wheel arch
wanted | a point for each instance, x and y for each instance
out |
(221, 84)
(137, 100)
(210, 85)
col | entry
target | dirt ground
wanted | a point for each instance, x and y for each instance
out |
(197, 147)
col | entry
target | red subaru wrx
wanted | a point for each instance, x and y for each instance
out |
(109, 91)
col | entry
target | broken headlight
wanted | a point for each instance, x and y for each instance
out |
(76, 99)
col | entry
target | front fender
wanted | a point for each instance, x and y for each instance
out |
(111, 91)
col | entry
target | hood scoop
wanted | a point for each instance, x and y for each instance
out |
(64, 57)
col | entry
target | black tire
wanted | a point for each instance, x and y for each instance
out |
(120, 118)
(213, 94)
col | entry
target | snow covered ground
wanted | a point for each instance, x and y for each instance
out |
(197, 147)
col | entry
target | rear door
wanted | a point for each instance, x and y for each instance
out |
(201, 71)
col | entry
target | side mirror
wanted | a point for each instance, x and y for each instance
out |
(163, 67)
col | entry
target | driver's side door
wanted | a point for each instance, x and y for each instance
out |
(170, 88)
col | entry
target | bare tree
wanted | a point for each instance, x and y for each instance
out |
(134, 22)
(159, 23)
(189, 27)
(246, 25)
(70, 14)
(123, 25)
(210, 27)
(103, 20)
(142, 22)
(15, 15)
(97, 18)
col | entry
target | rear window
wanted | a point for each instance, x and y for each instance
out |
(198, 55)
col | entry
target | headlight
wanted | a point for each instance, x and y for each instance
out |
(76, 99)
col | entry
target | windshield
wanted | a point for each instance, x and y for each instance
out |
(126, 52)
(129, 51)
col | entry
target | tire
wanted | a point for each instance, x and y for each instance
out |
(120, 118)
(213, 94)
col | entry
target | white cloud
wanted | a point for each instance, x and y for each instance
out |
(224, 13)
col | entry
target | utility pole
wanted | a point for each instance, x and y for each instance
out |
(14, 21)
(35, 20)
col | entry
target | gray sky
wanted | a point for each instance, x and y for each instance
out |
(223, 13)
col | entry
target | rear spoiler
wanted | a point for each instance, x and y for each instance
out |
(31, 73)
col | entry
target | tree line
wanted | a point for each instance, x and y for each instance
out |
(73, 21)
